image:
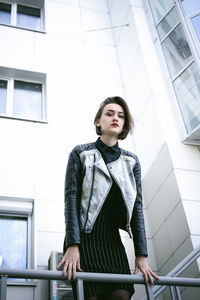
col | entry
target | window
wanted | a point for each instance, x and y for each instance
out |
(179, 54)
(5, 13)
(28, 17)
(3, 96)
(23, 99)
(16, 229)
(191, 10)
(23, 13)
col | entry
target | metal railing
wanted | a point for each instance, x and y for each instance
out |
(94, 277)
(175, 272)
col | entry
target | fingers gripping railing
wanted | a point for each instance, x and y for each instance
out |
(92, 277)
(176, 271)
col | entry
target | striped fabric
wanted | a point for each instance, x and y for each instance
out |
(102, 250)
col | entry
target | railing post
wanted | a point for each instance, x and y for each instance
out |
(178, 293)
(79, 288)
(172, 292)
(3, 287)
(149, 291)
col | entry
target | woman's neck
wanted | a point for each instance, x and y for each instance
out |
(108, 140)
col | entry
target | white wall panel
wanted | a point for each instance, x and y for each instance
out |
(50, 216)
(192, 209)
(177, 220)
(99, 57)
(47, 242)
(119, 13)
(96, 26)
(188, 182)
(63, 19)
(95, 5)
(17, 48)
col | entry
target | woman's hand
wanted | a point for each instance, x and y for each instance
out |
(142, 265)
(71, 259)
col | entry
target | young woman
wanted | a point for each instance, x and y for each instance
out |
(102, 194)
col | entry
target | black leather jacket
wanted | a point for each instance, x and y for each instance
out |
(88, 182)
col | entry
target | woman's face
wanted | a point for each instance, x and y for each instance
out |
(111, 120)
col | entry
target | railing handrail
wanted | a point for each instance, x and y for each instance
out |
(100, 277)
(97, 277)
(178, 269)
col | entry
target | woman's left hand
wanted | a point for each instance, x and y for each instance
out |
(141, 264)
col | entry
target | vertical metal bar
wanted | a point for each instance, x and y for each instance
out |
(3, 287)
(79, 288)
(149, 291)
(172, 292)
(178, 293)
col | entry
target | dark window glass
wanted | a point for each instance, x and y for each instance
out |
(160, 8)
(13, 242)
(167, 23)
(27, 102)
(177, 51)
(190, 6)
(5, 13)
(3, 96)
(187, 87)
(28, 17)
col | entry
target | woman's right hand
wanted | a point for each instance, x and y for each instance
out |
(71, 260)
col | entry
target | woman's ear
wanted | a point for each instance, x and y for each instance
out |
(97, 123)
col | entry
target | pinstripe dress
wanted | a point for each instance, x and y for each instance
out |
(101, 250)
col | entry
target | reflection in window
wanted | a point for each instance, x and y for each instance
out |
(196, 24)
(187, 87)
(13, 242)
(160, 8)
(5, 13)
(190, 6)
(168, 23)
(28, 17)
(27, 102)
(3, 96)
(176, 51)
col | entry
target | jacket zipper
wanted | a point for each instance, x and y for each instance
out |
(93, 173)
(101, 206)
(128, 216)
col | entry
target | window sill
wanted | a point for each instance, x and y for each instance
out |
(193, 138)
(23, 28)
(23, 119)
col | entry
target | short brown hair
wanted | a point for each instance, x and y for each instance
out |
(128, 122)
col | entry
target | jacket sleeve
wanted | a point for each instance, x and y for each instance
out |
(73, 185)
(137, 220)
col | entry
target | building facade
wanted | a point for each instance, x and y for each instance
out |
(59, 59)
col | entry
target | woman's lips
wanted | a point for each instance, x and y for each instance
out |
(115, 124)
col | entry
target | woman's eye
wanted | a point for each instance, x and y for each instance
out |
(109, 114)
(121, 116)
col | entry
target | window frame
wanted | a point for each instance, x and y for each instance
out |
(194, 136)
(10, 75)
(24, 208)
(37, 4)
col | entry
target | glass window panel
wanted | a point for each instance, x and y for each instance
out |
(168, 23)
(27, 101)
(3, 96)
(196, 24)
(5, 13)
(13, 242)
(187, 87)
(176, 51)
(28, 17)
(190, 6)
(160, 8)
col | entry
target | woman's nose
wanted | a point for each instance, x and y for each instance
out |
(116, 118)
